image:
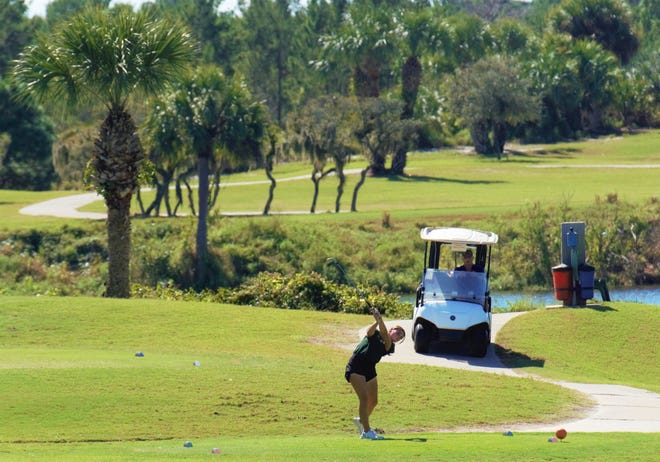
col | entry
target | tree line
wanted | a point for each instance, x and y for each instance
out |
(185, 90)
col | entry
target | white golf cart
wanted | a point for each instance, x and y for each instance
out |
(454, 305)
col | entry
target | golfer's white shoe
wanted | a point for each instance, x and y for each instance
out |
(358, 424)
(370, 435)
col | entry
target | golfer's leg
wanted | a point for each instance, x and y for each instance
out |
(372, 395)
(359, 383)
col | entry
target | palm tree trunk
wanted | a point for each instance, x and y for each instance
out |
(315, 179)
(202, 225)
(411, 77)
(269, 174)
(363, 176)
(118, 227)
(340, 188)
(117, 157)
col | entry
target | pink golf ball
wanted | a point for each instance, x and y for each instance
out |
(216, 451)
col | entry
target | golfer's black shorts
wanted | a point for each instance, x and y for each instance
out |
(357, 365)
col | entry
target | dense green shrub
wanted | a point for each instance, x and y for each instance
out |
(296, 292)
(623, 243)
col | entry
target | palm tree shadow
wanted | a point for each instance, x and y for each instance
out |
(599, 307)
(410, 440)
(435, 179)
(516, 360)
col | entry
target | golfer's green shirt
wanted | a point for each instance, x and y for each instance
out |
(372, 348)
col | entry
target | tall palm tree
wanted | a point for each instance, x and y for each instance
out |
(106, 56)
(219, 120)
(365, 41)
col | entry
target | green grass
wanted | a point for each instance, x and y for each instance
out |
(550, 174)
(270, 383)
(269, 387)
(440, 184)
(610, 343)
(70, 373)
(455, 447)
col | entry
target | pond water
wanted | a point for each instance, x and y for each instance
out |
(649, 295)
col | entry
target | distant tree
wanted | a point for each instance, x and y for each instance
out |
(576, 81)
(421, 33)
(59, 10)
(381, 132)
(26, 160)
(490, 96)
(536, 14)
(170, 151)
(16, 31)
(323, 131)
(218, 33)
(218, 117)
(365, 41)
(608, 22)
(472, 40)
(636, 99)
(108, 56)
(511, 37)
(270, 59)
(72, 150)
(322, 18)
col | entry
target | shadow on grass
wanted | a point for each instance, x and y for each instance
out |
(460, 352)
(559, 153)
(598, 307)
(516, 360)
(410, 440)
(428, 179)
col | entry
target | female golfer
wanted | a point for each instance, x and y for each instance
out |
(361, 369)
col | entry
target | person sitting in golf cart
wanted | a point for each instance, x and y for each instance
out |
(468, 263)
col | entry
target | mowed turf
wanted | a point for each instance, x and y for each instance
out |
(431, 447)
(445, 183)
(612, 343)
(70, 373)
(450, 182)
(268, 386)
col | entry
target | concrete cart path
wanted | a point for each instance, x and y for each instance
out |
(67, 206)
(617, 408)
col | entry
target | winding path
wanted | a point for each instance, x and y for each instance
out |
(616, 408)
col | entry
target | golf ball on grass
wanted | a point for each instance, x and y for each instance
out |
(215, 451)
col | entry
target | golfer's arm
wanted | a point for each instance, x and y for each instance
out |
(384, 334)
(372, 329)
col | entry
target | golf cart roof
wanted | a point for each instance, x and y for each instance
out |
(459, 236)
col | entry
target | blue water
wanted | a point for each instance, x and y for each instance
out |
(647, 295)
(503, 300)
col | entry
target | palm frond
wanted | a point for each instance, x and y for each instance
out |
(107, 56)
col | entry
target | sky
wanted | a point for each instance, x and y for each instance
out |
(38, 7)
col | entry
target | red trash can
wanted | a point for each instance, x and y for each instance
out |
(562, 282)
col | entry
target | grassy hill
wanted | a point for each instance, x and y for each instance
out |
(269, 385)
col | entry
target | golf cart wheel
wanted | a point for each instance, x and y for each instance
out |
(422, 338)
(479, 342)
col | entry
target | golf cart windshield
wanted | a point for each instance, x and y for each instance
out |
(455, 285)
